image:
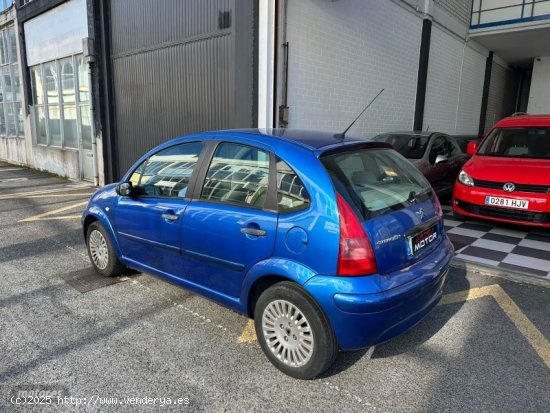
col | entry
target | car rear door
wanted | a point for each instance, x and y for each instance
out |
(148, 224)
(231, 223)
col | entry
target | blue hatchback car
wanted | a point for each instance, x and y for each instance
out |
(328, 243)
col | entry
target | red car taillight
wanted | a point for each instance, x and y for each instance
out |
(356, 256)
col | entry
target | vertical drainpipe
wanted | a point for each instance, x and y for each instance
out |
(426, 8)
(485, 96)
(266, 69)
(92, 122)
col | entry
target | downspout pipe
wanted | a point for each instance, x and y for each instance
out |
(425, 7)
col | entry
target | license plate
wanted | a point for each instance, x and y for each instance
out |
(506, 202)
(422, 240)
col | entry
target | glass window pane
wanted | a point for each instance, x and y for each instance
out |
(238, 174)
(86, 127)
(2, 120)
(69, 127)
(12, 45)
(168, 172)
(10, 119)
(67, 80)
(83, 80)
(37, 85)
(291, 192)
(6, 80)
(40, 119)
(20, 118)
(3, 49)
(16, 82)
(54, 125)
(50, 72)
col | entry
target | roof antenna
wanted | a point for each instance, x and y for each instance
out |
(343, 134)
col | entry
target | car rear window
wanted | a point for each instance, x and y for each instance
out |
(519, 142)
(376, 180)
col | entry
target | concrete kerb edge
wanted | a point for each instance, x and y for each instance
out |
(508, 274)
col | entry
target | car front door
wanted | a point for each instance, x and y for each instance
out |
(438, 173)
(232, 223)
(148, 224)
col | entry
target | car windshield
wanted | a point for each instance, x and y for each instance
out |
(376, 181)
(410, 146)
(520, 142)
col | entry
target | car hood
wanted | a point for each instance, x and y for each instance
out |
(516, 170)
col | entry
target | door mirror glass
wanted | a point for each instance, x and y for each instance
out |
(471, 148)
(125, 189)
(440, 159)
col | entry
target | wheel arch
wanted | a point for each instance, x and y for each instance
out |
(96, 214)
(268, 273)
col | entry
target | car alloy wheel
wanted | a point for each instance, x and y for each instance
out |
(101, 251)
(98, 249)
(287, 333)
(293, 331)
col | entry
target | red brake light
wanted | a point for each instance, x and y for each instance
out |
(356, 256)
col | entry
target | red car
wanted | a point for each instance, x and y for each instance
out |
(508, 177)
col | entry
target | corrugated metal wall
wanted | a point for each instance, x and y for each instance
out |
(174, 70)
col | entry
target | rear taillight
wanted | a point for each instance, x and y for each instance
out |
(356, 256)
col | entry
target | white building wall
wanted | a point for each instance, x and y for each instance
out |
(341, 54)
(502, 93)
(539, 94)
(454, 89)
(471, 91)
(443, 84)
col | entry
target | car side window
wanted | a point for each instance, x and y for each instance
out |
(450, 147)
(167, 173)
(238, 175)
(438, 148)
(291, 193)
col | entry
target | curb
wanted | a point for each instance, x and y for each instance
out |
(511, 275)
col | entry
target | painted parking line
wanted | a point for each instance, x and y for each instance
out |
(46, 191)
(13, 179)
(51, 215)
(535, 338)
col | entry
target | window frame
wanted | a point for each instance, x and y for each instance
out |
(11, 64)
(305, 206)
(192, 179)
(271, 197)
(61, 105)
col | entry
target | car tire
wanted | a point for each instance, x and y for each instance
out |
(101, 251)
(293, 331)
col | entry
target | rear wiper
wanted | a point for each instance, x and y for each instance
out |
(415, 196)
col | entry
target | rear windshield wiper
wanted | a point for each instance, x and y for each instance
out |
(416, 196)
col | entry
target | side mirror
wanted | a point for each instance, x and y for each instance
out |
(440, 159)
(471, 148)
(125, 189)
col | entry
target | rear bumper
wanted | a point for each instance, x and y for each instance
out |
(363, 319)
(470, 201)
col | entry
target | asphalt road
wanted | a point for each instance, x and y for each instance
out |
(485, 348)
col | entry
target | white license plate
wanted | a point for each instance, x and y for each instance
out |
(506, 202)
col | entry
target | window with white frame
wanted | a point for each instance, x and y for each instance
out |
(61, 103)
(11, 114)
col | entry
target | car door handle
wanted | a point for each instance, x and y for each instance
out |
(254, 231)
(170, 217)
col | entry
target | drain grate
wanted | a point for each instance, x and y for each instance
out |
(88, 280)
